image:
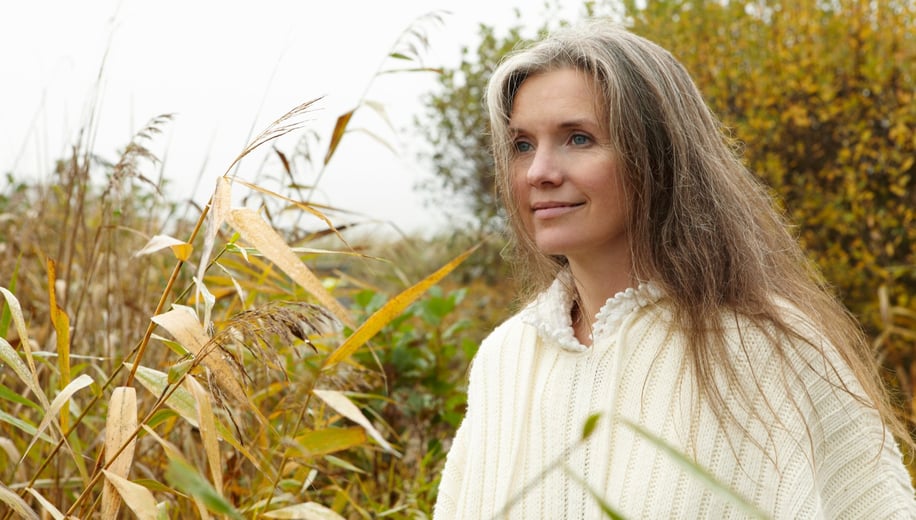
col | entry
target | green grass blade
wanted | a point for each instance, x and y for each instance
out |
(606, 508)
(187, 479)
(10, 395)
(697, 471)
(23, 425)
(6, 317)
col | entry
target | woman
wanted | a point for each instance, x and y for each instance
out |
(668, 300)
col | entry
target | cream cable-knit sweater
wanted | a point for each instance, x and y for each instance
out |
(533, 385)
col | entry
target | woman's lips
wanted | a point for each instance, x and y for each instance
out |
(548, 210)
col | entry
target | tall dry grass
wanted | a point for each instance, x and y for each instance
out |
(157, 367)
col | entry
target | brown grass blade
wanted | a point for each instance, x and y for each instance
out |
(392, 309)
(208, 433)
(16, 503)
(220, 206)
(339, 129)
(46, 505)
(139, 499)
(12, 453)
(340, 403)
(56, 405)
(261, 235)
(304, 206)
(306, 511)
(182, 324)
(119, 430)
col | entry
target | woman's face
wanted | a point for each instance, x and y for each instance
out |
(566, 180)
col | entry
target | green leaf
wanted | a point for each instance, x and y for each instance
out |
(340, 463)
(188, 480)
(15, 397)
(6, 316)
(590, 424)
(23, 425)
(330, 440)
(9, 356)
(157, 382)
(179, 369)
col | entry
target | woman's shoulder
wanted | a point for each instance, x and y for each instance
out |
(512, 329)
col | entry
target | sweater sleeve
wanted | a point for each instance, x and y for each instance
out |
(457, 462)
(859, 469)
(452, 475)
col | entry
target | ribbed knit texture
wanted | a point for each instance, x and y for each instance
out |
(532, 387)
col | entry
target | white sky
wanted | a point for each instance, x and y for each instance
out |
(223, 67)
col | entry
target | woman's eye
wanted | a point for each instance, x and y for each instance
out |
(522, 146)
(580, 139)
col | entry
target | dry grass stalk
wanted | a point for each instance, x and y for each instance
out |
(261, 330)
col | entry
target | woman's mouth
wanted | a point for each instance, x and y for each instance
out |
(548, 210)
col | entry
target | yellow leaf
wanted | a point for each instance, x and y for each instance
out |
(260, 234)
(160, 242)
(61, 323)
(392, 309)
(182, 251)
(183, 402)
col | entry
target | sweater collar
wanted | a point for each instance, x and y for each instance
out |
(549, 313)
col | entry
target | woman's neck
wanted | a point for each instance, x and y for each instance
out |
(593, 288)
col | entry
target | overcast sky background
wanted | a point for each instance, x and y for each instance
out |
(227, 67)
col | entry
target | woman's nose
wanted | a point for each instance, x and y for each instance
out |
(545, 168)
